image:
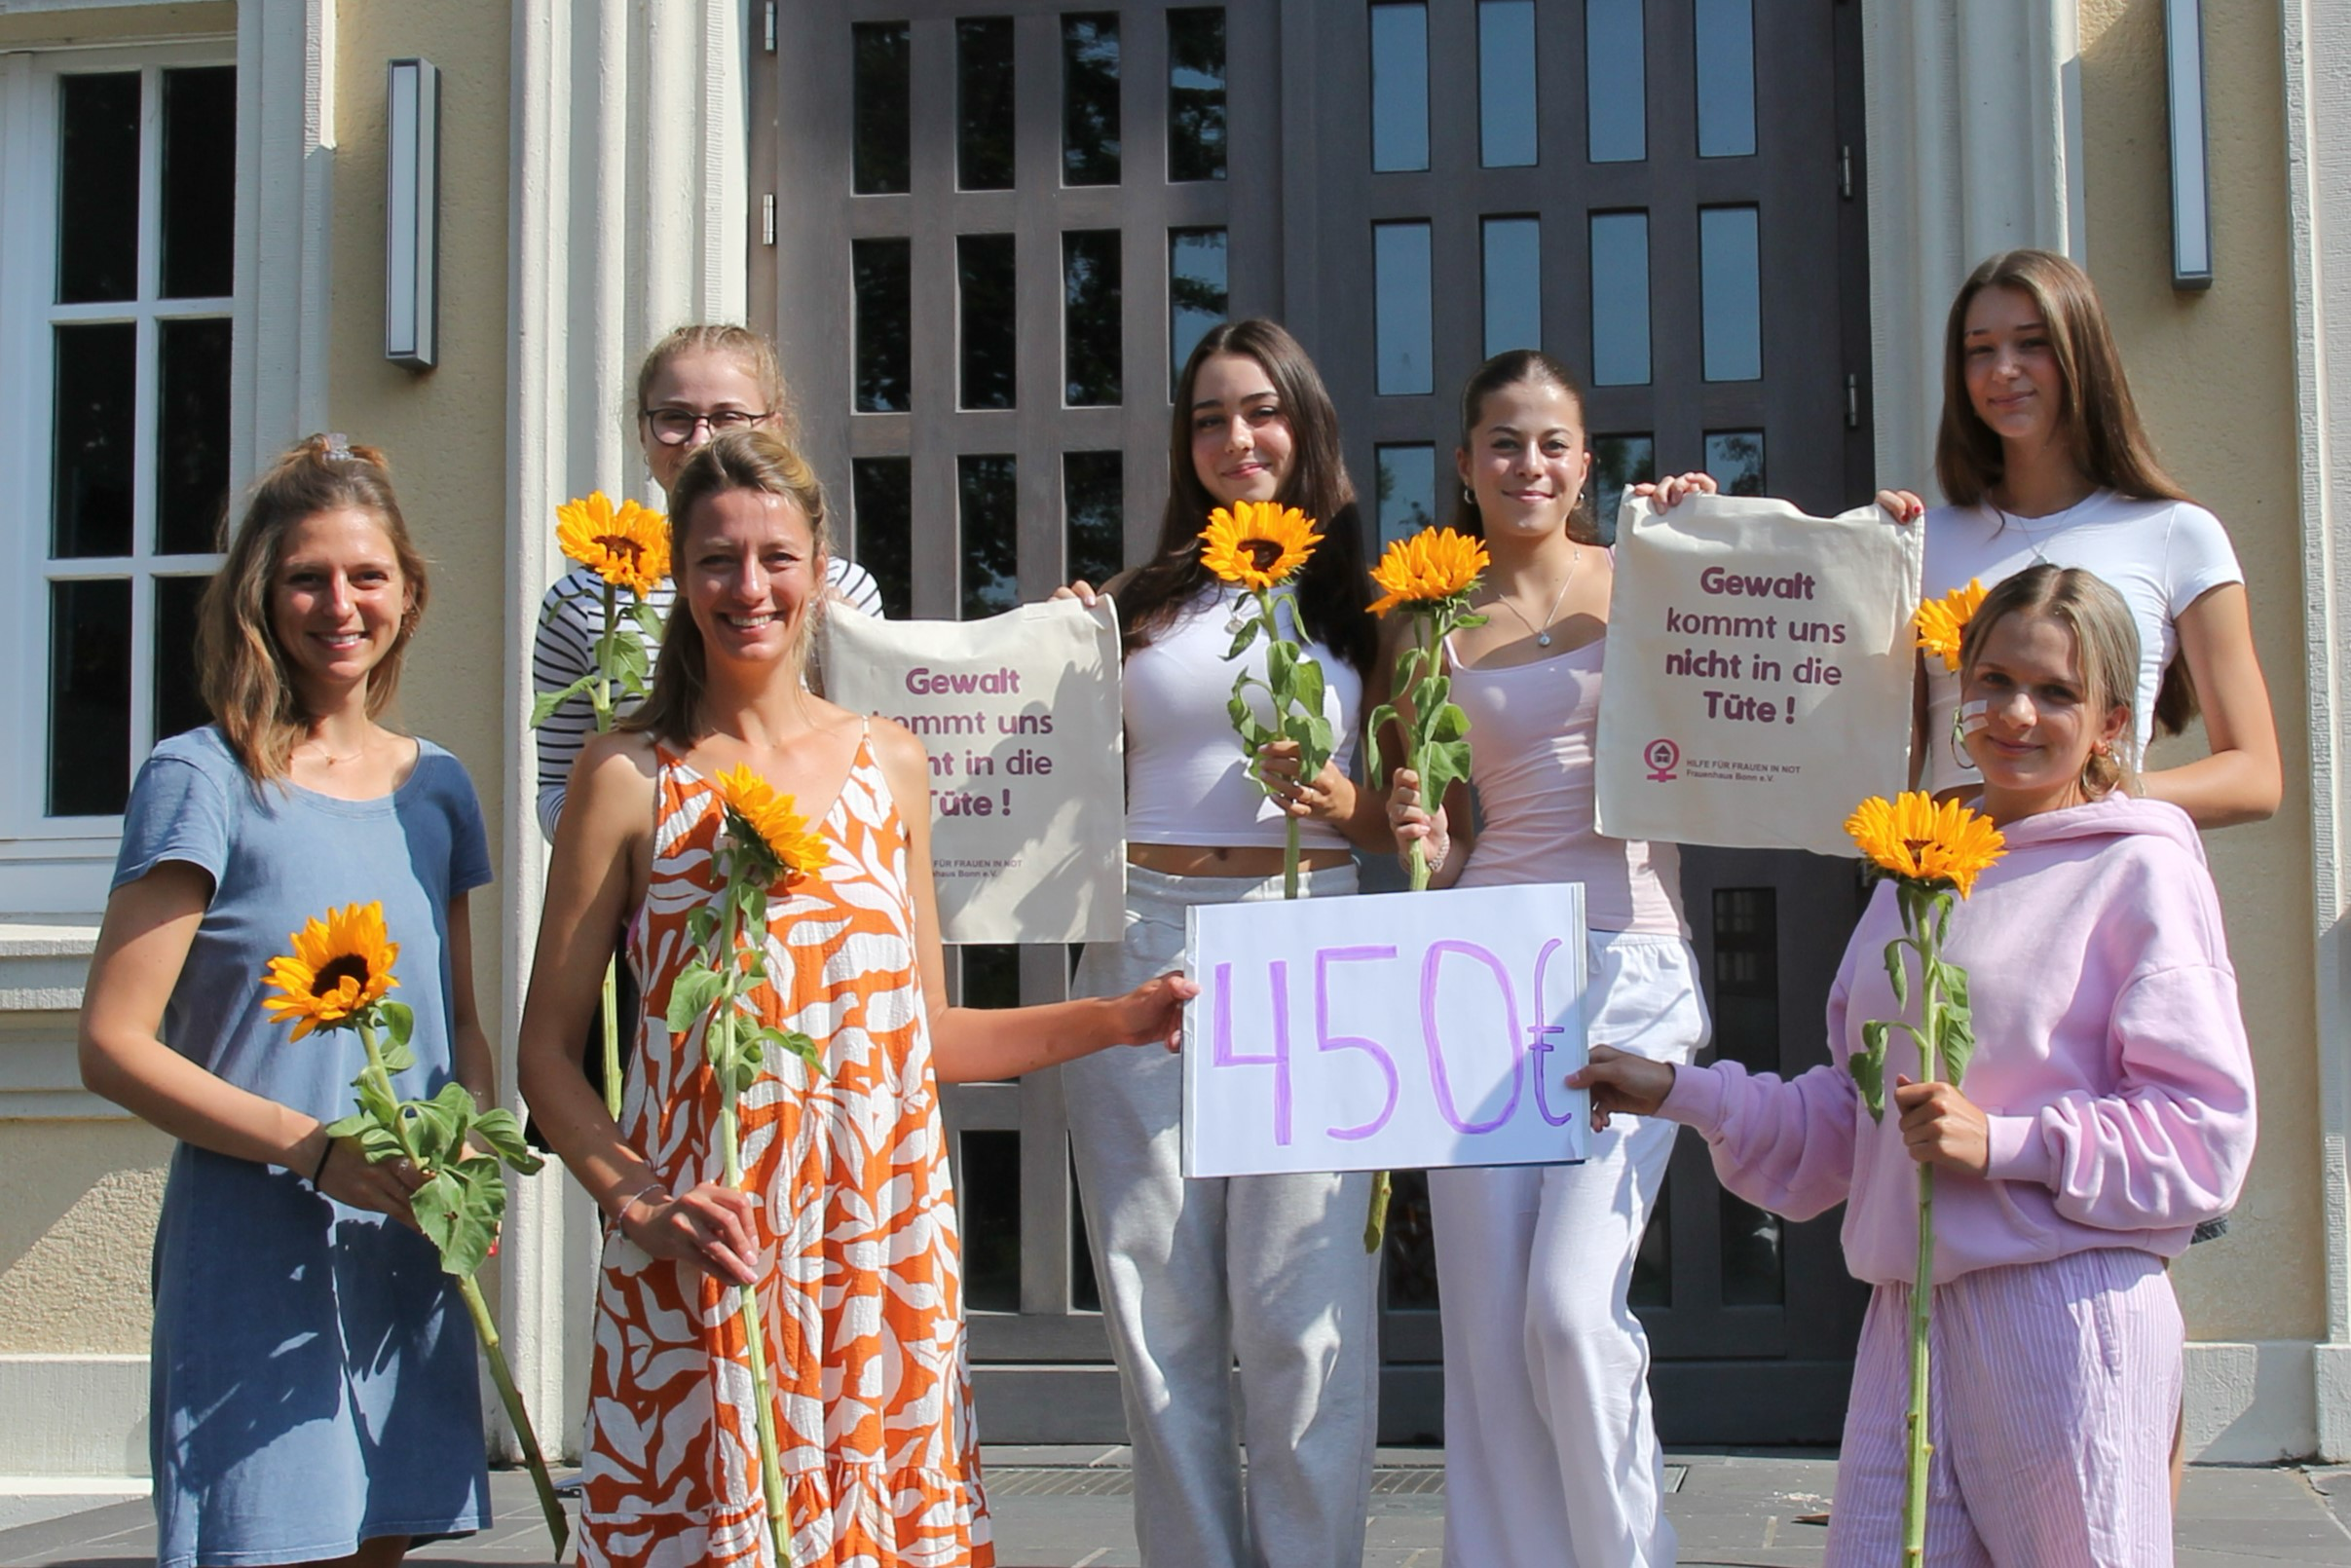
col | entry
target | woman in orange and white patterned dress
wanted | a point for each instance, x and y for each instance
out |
(845, 1221)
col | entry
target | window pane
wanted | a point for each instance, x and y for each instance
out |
(1090, 357)
(1196, 93)
(1513, 268)
(1196, 296)
(1400, 310)
(200, 182)
(988, 1191)
(88, 697)
(984, 103)
(1746, 977)
(1735, 458)
(1618, 461)
(1753, 1275)
(192, 437)
(988, 507)
(1616, 94)
(1619, 299)
(1090, 121)
(1729, 293)
(96, 391)
(1399, 87)
(1094, 502)
(178, 705)
(97, 187)
(1408, 1266)
(882, 276)
(1726, 78)
(1407, 486)
(882, 497)
(1506, 83)
(990, 346)
(883, 96)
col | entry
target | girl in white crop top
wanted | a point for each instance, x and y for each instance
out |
(1269, 1271)
(1551, 1453)
(2039, 466)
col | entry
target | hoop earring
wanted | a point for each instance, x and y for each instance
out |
(1467, 496)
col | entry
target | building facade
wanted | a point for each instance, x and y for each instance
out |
(983, 235)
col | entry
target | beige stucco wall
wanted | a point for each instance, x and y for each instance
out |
(102, 25)
(2213, 372)
(74, 1234)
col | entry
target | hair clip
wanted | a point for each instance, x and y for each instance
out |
(338, 448)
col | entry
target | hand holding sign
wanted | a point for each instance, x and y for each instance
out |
(1372, 1033)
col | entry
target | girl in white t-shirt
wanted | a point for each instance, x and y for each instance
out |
(2042, 458)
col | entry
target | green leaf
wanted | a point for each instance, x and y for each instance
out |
(1942, 908)
(379, 1142)
(356, 1122)
(1868, 1068)
(1306, 687)
(1956, 1042)
(377, 1102)
(544, 704)
(1280, 664)
(702, 924)
(697, 987)
(399, 1022)
(649, 621)
(1449, 723)
(1246, 635)
(628, 658)
(791, 1042)
(1898, 973)
(501, 1130)
(1381, 718)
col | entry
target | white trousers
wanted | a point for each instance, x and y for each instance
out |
(1552, 1457)
(1269, 1270)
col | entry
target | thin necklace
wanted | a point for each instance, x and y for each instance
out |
(331, 760)
(1542, 633)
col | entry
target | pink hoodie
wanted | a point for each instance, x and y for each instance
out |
(2110, 1060)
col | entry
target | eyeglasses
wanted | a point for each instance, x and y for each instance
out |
(675, 427)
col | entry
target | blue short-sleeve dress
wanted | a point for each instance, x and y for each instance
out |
(313, 1381)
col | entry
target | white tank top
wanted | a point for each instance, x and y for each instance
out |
(1186, 774)
(1531, 731)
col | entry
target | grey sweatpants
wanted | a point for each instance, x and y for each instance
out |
(1270, 1270)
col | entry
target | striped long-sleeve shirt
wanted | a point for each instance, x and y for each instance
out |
(570, 620)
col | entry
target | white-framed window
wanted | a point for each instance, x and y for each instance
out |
(118, 224)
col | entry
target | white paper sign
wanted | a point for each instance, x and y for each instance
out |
(1020, 714)
(1760, 668)
(1385, 1031)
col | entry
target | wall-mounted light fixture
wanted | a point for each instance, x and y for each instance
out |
(412, 205)
(2192, 186)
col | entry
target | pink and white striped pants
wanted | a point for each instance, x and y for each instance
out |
(2053, 1391)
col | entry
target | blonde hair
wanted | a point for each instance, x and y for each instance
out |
(2105, 640)
(753, 459)
(753, 350)
(243, 670)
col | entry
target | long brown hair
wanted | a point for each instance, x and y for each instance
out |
(1334, 589)
(240, 667)
(1524, 367)
(2105, 640)
(2096, 414)
(753, 459)
(750, 349)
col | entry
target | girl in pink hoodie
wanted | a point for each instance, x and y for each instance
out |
(2107, 1109)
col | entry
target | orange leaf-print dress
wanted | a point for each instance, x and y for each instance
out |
(863, 1311)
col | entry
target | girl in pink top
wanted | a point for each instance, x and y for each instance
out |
(2109, 1109)
(1550, 1454)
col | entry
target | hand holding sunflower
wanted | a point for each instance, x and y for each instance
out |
(1431, 577)
(338, 976)
(1258, 546)
(1932, 852)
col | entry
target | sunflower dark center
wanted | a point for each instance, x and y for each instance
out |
(348, 967)
(628, 549)
(1262, 552)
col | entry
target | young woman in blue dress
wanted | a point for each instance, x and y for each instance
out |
(314, 1391)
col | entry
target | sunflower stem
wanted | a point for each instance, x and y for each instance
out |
(1919, 914)
(1375, 1223)
(611, 1037)
(1289, 857)
(493, 1349)
(730, 1153)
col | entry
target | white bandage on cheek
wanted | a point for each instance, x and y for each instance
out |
(1972, 716)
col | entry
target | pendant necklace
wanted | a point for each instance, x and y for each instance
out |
(1542, 633)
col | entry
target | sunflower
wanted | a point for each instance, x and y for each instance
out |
(1943, 622)
(627, 546)
(1258, 543)
(340, 966)
(767, 818)
(1913, 837)
(1433, 565)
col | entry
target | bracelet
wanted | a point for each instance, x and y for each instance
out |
(621, 1214)
(325, 1154)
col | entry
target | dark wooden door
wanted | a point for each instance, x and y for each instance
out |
(984, 234)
